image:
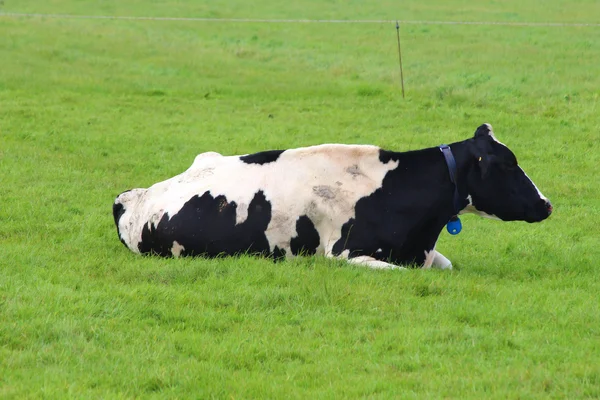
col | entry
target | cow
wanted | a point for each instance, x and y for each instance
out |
(373, 207)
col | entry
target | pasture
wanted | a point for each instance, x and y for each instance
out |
(91, 107)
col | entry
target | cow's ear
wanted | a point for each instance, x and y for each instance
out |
(484, 131)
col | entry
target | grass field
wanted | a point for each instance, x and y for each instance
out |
(89, 108)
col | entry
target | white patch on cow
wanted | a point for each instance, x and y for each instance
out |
(378, 251)
(470, 209)
(241, 213)
(322, 182)
(491, 133)
(470, 199)
(200, 158)
(155, 217)
(536, 188)
(344, 255)
(130, 221)
(176, 249)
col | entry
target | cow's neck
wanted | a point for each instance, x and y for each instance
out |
(424, 176)
(428, 169)
(464, 163)
(418, 199)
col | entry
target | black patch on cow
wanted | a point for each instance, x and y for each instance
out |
(307, 240)
(118, 211)
(264, 157)
(205, 226)
(385, 156)
(278, 254)
(404, 216)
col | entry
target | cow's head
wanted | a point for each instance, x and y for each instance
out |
(498, 186)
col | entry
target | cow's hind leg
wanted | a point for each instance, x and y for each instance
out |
(441, 262)
(373, 263)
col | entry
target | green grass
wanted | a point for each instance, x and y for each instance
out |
(89, 108)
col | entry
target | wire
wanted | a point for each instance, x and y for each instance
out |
(299, 21)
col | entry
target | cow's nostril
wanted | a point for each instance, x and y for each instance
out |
(549, 207)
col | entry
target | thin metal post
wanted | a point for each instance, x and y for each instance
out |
(400, 57)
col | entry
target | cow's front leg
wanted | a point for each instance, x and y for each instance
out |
(435, 259)
(441, 262)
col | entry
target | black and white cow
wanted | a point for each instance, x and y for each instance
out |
(370, 206)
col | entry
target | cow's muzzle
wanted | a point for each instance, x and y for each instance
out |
(548, 207)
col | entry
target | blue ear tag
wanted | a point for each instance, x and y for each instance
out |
(454, 226)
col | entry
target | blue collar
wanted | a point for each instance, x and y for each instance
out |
(454, 226)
